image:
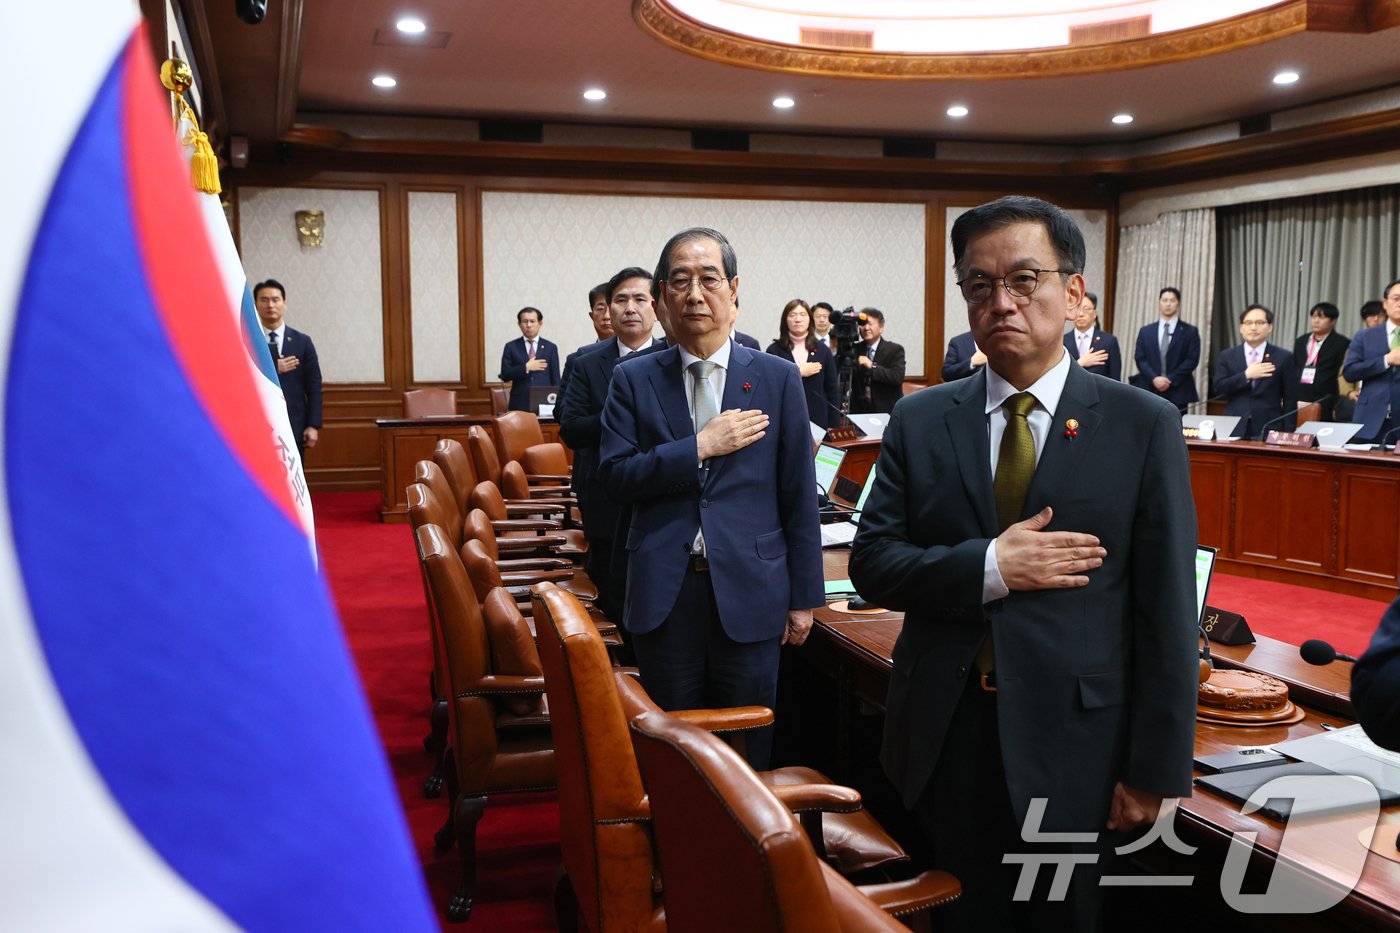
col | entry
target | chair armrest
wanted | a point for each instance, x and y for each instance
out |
(530, 578)
(902, 898)
(817, 798)
(526, 524)
(533, 563)
(537, 479)
(732, 719)
(535, 543)
(545, 492)
(515, 508)
(497, 684)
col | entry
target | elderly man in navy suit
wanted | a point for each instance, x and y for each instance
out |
(1253, 376)
(707, 442)
(1168, 352)
(298, 367)
(1090, 345)
(1372, 360)
(529, 360)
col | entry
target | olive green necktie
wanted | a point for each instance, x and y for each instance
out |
(1015, 467)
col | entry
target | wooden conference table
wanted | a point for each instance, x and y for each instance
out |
(855, 651)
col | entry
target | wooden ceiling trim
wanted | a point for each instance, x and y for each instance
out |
(673, 28)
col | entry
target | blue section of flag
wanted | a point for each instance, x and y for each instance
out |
(188, 634)
(252, 334)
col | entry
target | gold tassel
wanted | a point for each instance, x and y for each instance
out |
(204, 166)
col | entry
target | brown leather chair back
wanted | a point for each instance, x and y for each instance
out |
(734, 857)
(514, 484)
(441, 500)
(912, 387)
(481, 569)
(420, 403)
(545, 459)
(603, 812)
(456, 464)
(488, 465)
(500, 399)
(486, 496)
(477, 527)
(516, 431)
(422, 509)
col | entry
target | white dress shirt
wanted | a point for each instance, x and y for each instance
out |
(279, 333)
(1047, 391)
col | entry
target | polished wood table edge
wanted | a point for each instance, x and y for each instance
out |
(1327, 690)
(1368, 457)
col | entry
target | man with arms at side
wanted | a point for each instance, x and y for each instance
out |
(298, 367)
(963, 358)
(707, 443)
(580, 413)
(1372, 313)
(601, 318)
(1036, 526)
(529, 360)
(1168, 352)
(821, 325)
(1090, 345)
(1372, 360)
(1252, 376)
(1317, 361)
(878, 380)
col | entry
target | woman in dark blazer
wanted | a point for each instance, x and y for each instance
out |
(797, 343)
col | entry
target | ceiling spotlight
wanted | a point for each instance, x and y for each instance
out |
(783, 103)
(1285, 77)
(412, 25)
(1123, 119)
(595, 93)
(957, 110)
(383, 81)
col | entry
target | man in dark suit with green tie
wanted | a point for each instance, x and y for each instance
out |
(1036, 525)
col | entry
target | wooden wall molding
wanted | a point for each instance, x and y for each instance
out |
(669, 26)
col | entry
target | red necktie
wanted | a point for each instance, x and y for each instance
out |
(531, 354)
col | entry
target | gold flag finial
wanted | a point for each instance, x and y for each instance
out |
(204, 168)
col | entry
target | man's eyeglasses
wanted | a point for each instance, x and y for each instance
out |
(1019, 284)
(682, 284)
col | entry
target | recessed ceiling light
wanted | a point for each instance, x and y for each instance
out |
(595, 93)
(383, 81)
(1123, 118)
(957, 110)
(783, 103)
(411, 24)
(1285, 77)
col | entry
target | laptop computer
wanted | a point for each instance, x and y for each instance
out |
(828, 464)
(1205, 568)
(1331, 435)
(1221, 427)
(840, 533)
(872, 426)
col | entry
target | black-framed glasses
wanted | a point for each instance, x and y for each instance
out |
(682, 284)
(1020, 283)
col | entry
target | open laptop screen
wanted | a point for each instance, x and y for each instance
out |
(828, 465)
(1205, 566)
(865, 490)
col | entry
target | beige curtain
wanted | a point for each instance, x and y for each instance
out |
(1342, 247)
(1178, 250)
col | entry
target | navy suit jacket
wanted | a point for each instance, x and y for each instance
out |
(744, 340)
(569, 362)
(823, 390)
(1102, 340)
(1380, 384)
(957, 362)
(1259, 401)
(758, 505)
(513, 359)
(301, 386)
(580, 417)
(1097, 684)
(1183, 356)
(1375, 682)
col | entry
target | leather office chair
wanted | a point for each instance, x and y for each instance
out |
(487, 497)
(488, 464)
(602, 806)
(422, 403)
(500, 399)
(486, 576)
(494, 748)
(519, 431)
(456, 465)
(546, 460)
(424, 509)
(442, 504)
(909, 388)
(719, 829)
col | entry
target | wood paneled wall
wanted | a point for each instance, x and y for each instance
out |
(347, 457)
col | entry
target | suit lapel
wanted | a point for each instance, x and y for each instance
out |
(1061, 460)
(967, 428)
(668, 382)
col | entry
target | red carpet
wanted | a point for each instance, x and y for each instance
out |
(373, 572)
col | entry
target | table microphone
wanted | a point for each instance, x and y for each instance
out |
(1263, 432)
(1388, 435)
(1316, 651)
